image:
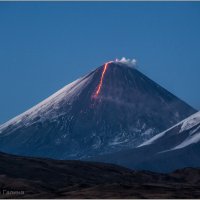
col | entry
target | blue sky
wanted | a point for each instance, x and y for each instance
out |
(45, 45)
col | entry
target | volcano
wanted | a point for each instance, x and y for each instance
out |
(113, 108)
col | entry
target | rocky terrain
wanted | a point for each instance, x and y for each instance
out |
(23, 177)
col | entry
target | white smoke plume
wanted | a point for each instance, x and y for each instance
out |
(127, 61)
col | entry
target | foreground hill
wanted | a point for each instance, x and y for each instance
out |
(111, 109)
(172, 149)
(22, 177)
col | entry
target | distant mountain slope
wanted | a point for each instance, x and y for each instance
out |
(113, 108)
(174, 148)
(22, 177)
(183, 134)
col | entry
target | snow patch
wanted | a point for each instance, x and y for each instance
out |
(118, 142)
(119, 139)
(186, 125)
(190, 140)
(153, 139)
(195, 130)
(148, 132)
(190, 122)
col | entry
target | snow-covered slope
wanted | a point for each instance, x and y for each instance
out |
(189, 127)
(175, 148)
(50, 107)
(113, 108)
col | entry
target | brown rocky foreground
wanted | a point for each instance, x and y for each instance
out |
(22, 177)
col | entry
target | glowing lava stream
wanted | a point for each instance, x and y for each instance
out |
(101, 80)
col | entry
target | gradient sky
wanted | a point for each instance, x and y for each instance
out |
(45, 45)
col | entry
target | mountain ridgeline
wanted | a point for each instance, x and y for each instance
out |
(175, 148)
(37, 178)
(113, 108)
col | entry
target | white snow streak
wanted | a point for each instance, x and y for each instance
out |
(47, 107)
(187, 124)
(190, 122)
(153, 139)
(190, 140)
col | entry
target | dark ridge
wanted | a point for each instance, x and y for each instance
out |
(47, 178)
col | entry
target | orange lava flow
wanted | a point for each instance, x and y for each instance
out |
(101, 80)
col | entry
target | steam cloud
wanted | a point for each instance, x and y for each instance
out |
(129, 62)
